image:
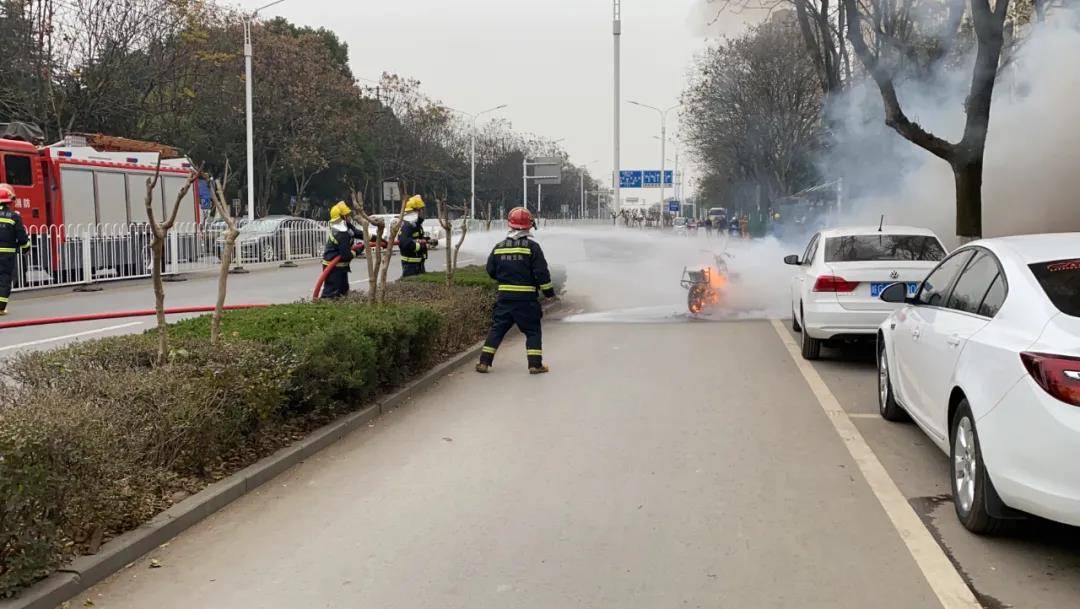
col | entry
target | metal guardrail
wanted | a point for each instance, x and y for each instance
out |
(81, 254)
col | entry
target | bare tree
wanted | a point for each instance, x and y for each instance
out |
(965, 157)
(160, 231)
(373, 249)
(221, 204)
(452, 251)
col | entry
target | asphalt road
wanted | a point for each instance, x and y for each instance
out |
(665, 462)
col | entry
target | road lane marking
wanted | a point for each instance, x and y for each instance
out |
(864, 415)
(936, 567)
(67, 336)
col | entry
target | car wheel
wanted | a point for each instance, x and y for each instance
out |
(267, 253)
(811, 347)
(888, 407)
(970, 481)
(795, 322)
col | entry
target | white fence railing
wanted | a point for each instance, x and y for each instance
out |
(79, 254)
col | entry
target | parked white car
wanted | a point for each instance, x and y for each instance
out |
(834, 294)
(985, 358)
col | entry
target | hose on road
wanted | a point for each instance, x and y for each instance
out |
(43, 321)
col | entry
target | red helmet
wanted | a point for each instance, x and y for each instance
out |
(7, 194)
(520, 219)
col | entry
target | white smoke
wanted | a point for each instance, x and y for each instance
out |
(1031, 180)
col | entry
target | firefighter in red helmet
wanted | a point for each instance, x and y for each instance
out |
(13, 240)
(517, 263)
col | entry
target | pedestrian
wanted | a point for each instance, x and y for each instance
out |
(517, 263)
(412, 242)
(339, 244)
(708, 227)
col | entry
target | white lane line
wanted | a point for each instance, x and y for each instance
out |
(360, 280)
(864, 415)
(934, 564)
(67, 336)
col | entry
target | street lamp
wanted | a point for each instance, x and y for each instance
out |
(663, 150)
(247, 97)
(472, 153)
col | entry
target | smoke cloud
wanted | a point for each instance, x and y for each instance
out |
(1031, 180)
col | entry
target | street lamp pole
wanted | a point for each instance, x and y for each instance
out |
(472, 154)
(663, 149)
(247, 100)
(617, 32)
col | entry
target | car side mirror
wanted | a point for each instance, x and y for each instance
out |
(895, 293)
(792, 259)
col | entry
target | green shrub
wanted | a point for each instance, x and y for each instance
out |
(466, 276)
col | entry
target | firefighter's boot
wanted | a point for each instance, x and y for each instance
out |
(482, 368)
(541, 369)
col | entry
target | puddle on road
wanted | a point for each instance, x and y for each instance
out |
(662, 314)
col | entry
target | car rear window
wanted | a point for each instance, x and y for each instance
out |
(1061, 282)
(859, 248)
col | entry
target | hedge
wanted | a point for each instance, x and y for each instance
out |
(95, 440)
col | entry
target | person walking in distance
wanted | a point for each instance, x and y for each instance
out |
(13, 241)
(518, 265)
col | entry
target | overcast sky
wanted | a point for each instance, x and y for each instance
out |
(550, 60)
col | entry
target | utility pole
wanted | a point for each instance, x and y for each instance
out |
(247, 99)
(617, 32)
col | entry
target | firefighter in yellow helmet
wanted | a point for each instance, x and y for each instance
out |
(13, 240)
(339, 244)
(412, 242)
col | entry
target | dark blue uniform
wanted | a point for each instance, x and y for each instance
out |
(522, 272)
(339, 243)
(413, 248)
(13, 240)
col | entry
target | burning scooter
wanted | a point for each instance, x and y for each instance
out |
(706, 284)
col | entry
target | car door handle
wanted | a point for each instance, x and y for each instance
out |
(953, 340)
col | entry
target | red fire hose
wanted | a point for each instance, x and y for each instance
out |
(42, 321)
(326, 272)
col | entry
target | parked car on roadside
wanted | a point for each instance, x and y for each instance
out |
(834, 293)
(432, 229)
(985, 358)
(264, 240)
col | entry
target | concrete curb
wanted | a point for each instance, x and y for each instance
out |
(85, 571)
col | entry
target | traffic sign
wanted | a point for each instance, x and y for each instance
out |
(629, 179)
(391, 191)
(673, 207)
(546, 170)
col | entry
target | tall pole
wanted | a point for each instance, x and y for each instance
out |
(663, 166)
(250, 127)
(472, 172)
(617, 32)
(525, 181)
(582, 192)
(539, 198)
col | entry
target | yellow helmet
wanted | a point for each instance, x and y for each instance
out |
(414, 203)
(339, 210)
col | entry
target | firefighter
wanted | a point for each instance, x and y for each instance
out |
(517, 263)
(338, 244)
(13, 241)
(412, 242)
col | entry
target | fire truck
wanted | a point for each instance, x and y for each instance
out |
(86, 194)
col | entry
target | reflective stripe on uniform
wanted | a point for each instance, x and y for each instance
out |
(7, 250)
(517, 288)
(3, 299)
(7, 220)
(534, 352)
(490, 350)
(333, 239)
(414, 260)
(547, 286)
(513, 250)
(25, 245)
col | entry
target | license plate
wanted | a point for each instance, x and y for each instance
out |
(877, 287)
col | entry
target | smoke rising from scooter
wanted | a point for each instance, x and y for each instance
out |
(1031, 181)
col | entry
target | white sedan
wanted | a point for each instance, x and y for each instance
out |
(834, 294)
(986, 359)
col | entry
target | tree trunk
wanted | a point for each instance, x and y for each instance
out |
(969, 178)
(157, 247)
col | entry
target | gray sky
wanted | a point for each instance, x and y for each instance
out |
(550, 60)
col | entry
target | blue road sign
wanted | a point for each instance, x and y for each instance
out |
(629, 179)
(651, 178)
(673, 207)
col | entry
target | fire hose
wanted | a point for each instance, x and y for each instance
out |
(330, 266)
(42, 321)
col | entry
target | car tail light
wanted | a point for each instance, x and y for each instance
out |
(1058, 375)
(832, 283)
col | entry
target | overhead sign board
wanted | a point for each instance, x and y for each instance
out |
(649, 178)
(546, 170)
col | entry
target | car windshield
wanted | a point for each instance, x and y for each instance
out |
(680, 221)
(860, 248)
(1061, 282)
(265, 225)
